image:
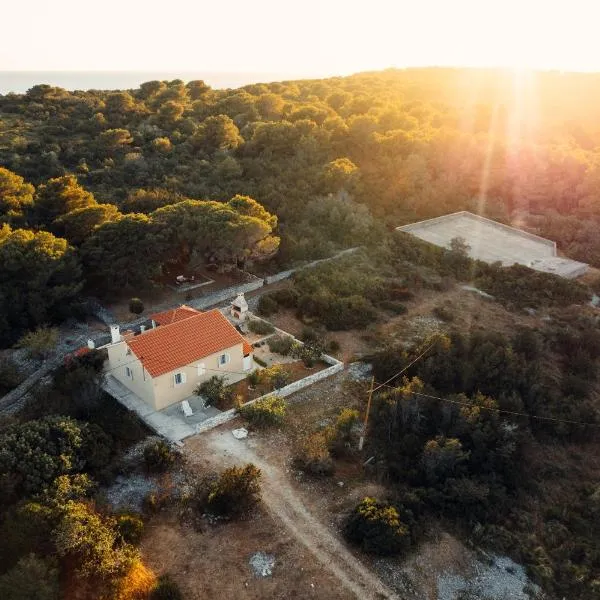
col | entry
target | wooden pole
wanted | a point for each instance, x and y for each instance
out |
(361, 441)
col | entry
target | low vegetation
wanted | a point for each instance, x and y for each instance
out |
(215, 392)
(264, 412)
(159, 457)
(232, 494)
(376, 528)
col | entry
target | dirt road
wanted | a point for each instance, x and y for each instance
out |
(220, 449)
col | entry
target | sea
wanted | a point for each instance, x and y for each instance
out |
(20, 81)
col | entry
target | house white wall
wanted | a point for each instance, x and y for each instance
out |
(167, 392)
(120, 358)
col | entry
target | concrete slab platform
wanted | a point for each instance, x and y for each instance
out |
(491, 242)
(173, 429)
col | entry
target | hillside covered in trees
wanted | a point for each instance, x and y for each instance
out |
(102, 191)
(92, 181)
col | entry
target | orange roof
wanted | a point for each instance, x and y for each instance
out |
(173, 346)
(247, 348)
(176, 314)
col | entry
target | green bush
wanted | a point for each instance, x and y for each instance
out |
(34, 453)
(130, 528)
(233, 493)
(333, 346)
(265, 411)
(310, 334)
(275, 376)
(286, 297)
(136, 306)
(281, 344)
(32, 578)
(443, 313)
(39, 343)
(376, 528)
(158, 457)
(308, 353)
(393, 306)
(260, 327)
(253, 378)
(312, 455)
(166, 589)
(215, 392)
(267, 306)
(10, 377)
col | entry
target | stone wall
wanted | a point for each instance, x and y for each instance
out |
(335, 367)
(13, 398)
(283, 392)
(226, 294)
(286, 274)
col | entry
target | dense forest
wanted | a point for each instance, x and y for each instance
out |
(102, 191)
(176, 172)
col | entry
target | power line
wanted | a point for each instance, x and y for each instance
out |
(406, 367)
(498, 410)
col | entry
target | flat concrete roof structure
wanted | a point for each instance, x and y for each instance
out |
(491, 242)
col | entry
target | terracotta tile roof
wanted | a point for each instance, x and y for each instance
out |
(171, 347)
(176, 314)
(247, 348)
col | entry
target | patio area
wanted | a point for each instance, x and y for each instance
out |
(200, 412)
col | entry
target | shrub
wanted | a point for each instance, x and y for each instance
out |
(443, 313)
(39, 343)
(313, 454)
(166, 589)
(267, 306)
(36, 452)
(352, 312)
(399, 294)
(130, 528)
(9, 376)
(253, 378)
(32, 578)
(214, 391)
(394, 306)
(345, 422)
(310, 334)
(281, 344)
(376, 527)
(286, 297)
(308, 353)
(266, 411)
(276, 376)
(158, 457)
(333, 346)
(234, 492)
(91, 542)
(136, 306)
(260, 327)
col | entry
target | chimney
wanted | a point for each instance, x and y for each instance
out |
(91, 345)
(142, 328)
(153, 324)
(115, 334)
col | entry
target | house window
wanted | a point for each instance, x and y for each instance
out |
(128, 373)
(201, 369)
(179, 378)
(223, 359)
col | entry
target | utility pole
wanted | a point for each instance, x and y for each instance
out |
(361, 441)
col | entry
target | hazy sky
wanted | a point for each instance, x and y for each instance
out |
(309, 37)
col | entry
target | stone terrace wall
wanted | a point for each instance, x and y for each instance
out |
(285, 274)
(335, 367)
(229, 415)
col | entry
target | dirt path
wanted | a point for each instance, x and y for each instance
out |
(219, 448)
